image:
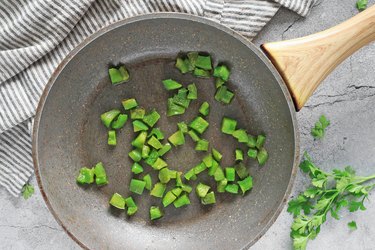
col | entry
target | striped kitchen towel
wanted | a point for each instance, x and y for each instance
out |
(35, 35)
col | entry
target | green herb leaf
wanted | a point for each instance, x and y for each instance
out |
(27, 191)
(318, 130)
(361, 4)
(300, 203)
(352, 225)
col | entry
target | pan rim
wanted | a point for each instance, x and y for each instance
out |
(167, 15)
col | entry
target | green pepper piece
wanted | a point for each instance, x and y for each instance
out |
(100, 174)
(159, 164)
(219, 174)
(155, 213)
(170, 84)
(86, 176)
(168, 198)
(219, 82)
(232, 188)
(192, 56)
(222, 72)
(241, 170)
(192, 92)
(137, 113)
(202, 189)
(138, 125)
(165, 149)
(129, 103)
(213, 168)
(119, 75)
(183, 65)
(252, 153)
(158, 190)
(140, 140)
(109, 116)
(186, 188)
(137, 186)
(221, 185)
(239, 155)
(155, 143)
(135, 155)
(207, 160)
(194, 135)
(199, 168)
(202, 145)
(145, 151)
(177, 138)
(251, 143)
(174, 109)
(177, 191)
(246, 184)
(199, 124)
(203, 62)
(178, 179)
(190, 175)
(137, 168)
(240, 135)
(261, 139)
(132, 207)
(228, 125)
(181, 201)
(151, 118)
(201, 73)
(112, 138)
(157, 132)
(230, 174)
(181, 98)
(164, 176)
(224, 95)
(182, 126)
(120, 121)
(147, 179)
(216, 154)
(204, 108)
(152, 157)
(117, 201)
(209, 198)
(262, 156)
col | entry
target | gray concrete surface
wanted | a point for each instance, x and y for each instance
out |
(346, 97)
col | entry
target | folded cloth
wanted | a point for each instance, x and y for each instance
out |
(35, 35)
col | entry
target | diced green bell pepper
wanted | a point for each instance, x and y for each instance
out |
(120, 121)
(138, 125)
(100, 174)
(109, 116)
(137, 186)
(137, 113)
(170, 84)
(199, 124)
(202, 145)
(209, 198)
(222, 72)
(129, 103)
(137, 168)
(86, 176)
(228, 125)
(204, 108)
(158, 190)
(246, 184)
(151, 118)
(119, 75)
(181, 201)
(177, 138)
(155, 213)
(202, 189)
(117, 201)
(192, 91)
(147, 179)
(112, 138)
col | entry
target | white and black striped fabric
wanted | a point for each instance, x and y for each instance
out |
(35, 35)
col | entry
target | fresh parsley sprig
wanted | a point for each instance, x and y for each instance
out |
(318, 130)
(329, 193)
(27, 191)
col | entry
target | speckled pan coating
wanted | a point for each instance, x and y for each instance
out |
(68, 134)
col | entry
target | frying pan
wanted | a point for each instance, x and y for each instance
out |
(68, 133)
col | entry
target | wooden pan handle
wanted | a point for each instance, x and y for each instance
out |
(305, 62)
